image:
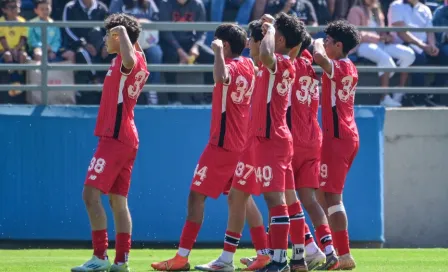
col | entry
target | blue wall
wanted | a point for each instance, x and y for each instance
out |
(45, 152)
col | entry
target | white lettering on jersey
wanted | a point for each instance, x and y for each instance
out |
(134, 90)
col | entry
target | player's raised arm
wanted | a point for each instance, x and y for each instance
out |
(127, 50)
(321, 58)
(220, 70)
(267, 46)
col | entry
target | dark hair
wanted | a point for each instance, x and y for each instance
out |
(129, 22)
(38, 2)
(291, 28)
(344, 32)
(255, 30)
(305, 43)
(233, 34)
(4, 3)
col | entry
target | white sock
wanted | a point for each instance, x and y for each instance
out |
(226, 256)
(297, 252)
(279, 255)
(329, 249)
(311, 248)
(183, 252)
(398, 96)
(265, 251)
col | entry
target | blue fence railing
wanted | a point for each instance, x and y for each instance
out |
(46, 152)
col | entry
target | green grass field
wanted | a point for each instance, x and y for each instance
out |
(368, 260)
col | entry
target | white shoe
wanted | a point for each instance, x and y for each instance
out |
(315, 260)
(216, 265)
(124, 267)
(93, 265)
(390, 102)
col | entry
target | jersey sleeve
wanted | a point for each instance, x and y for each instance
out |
(275, 65)
(232, 71)
(337, 70)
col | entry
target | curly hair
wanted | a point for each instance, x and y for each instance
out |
(132, 25)
(235, 35)
(255, 30)
(305, 43)
(344, 32)
(291, 28)
(4, 3)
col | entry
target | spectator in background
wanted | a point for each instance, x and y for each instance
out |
(86, 42)
(303, 9)
(55, 50)
(441, 19)
(146, 11)
(340, 8)
(378, 47)
(185, 47)
(412, 13)
(229, 11)
(12, 49)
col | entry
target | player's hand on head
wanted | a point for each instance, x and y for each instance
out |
(267, 27)
(217, 44)
(117, 29)
(267, 18)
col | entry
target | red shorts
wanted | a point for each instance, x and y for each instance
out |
(306, 168)
(214, 171)
(264, 166)
(111, 167)
(337, 158)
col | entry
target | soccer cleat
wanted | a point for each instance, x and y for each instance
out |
(315, 260)
(275, 267)
(257, 263)
(178, 263)
(124, 267)
(346, 262)
(216, 265)
(93, 265)
(331, 262)
(298, 266)
(247, 261)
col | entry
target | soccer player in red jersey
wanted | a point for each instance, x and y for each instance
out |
(340, 133)
(271, 139)
(234, 83)
(110, 169)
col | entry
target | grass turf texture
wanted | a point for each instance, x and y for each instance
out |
(368, 260)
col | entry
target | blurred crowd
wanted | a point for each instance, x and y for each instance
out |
(85, 45)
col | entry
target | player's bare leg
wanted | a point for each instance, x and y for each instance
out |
(98, 222)
(314, 257)
(296, 231)
(190, 231)
(123, 230)
(339, 227)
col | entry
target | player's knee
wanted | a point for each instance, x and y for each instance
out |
(274, 199)
(291, 197)
(237, 197)
(335, 209)
(196, 202)
(118, 203)
(91, 196)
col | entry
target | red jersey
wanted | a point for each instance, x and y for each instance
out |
(338, 97)
(270, 101)
(231, 104)
(302, 115)
(120, 92)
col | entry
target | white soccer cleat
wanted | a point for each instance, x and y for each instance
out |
(124, 267)
(93, 265)
(315, 260)
(216, 265)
